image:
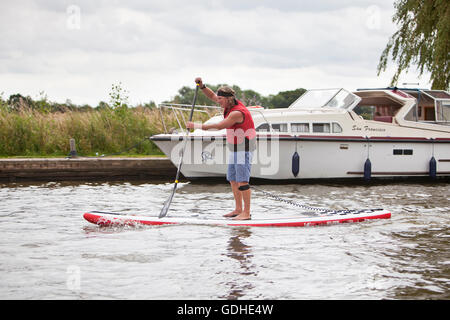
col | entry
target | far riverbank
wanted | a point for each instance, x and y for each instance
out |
(85, 168)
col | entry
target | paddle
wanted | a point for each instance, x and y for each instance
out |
(165, 209)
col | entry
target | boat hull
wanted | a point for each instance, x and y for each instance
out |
(318, 157)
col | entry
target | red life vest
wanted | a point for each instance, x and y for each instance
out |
(237, 133)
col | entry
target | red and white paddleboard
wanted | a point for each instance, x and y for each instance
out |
(307, 219)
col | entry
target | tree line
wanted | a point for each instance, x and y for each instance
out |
(119, 100)
(282, 99)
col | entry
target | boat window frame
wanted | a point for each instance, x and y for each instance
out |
(302, 123)
(280, 124)
(322, 123)
(310, 124)
(339, 125)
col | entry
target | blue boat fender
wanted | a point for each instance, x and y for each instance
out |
(433, 168)
(295, 164)
(367, 170)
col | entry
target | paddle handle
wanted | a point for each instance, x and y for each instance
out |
(187, 133)
(193, 103)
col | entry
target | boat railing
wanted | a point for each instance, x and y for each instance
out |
(177, 110)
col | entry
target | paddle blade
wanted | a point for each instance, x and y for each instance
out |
(166, 206)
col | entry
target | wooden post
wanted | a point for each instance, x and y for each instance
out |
(73, 150)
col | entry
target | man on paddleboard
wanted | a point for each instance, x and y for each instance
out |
(241, 140)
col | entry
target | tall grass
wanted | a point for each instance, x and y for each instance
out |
(29, 132)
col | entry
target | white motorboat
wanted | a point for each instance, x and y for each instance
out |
(324, 135)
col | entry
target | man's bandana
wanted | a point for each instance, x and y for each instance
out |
(225, 94)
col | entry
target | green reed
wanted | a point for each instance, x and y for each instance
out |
(29, 132)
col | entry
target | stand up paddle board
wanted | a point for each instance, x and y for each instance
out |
(300, 220)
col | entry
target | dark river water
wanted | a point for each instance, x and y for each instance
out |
(48, 251)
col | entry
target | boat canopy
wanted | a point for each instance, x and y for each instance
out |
(326, 98)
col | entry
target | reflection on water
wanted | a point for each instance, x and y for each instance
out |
(241, 252)
(423, 263)
(45, 244)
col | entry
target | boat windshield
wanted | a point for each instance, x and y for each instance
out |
(443, 111)
(326, 98)
(431, 106)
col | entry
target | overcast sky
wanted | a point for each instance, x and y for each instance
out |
(76, 49)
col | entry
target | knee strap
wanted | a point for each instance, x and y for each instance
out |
(244, 187)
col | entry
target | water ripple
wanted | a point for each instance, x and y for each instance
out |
(46, 244)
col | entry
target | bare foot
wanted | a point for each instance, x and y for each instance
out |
(243, 216)
(233, 213)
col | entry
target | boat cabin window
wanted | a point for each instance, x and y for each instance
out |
(280, 127)
(336, 127)
(300, 127)
(263, 127)
(276, 127)
(321, 127)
